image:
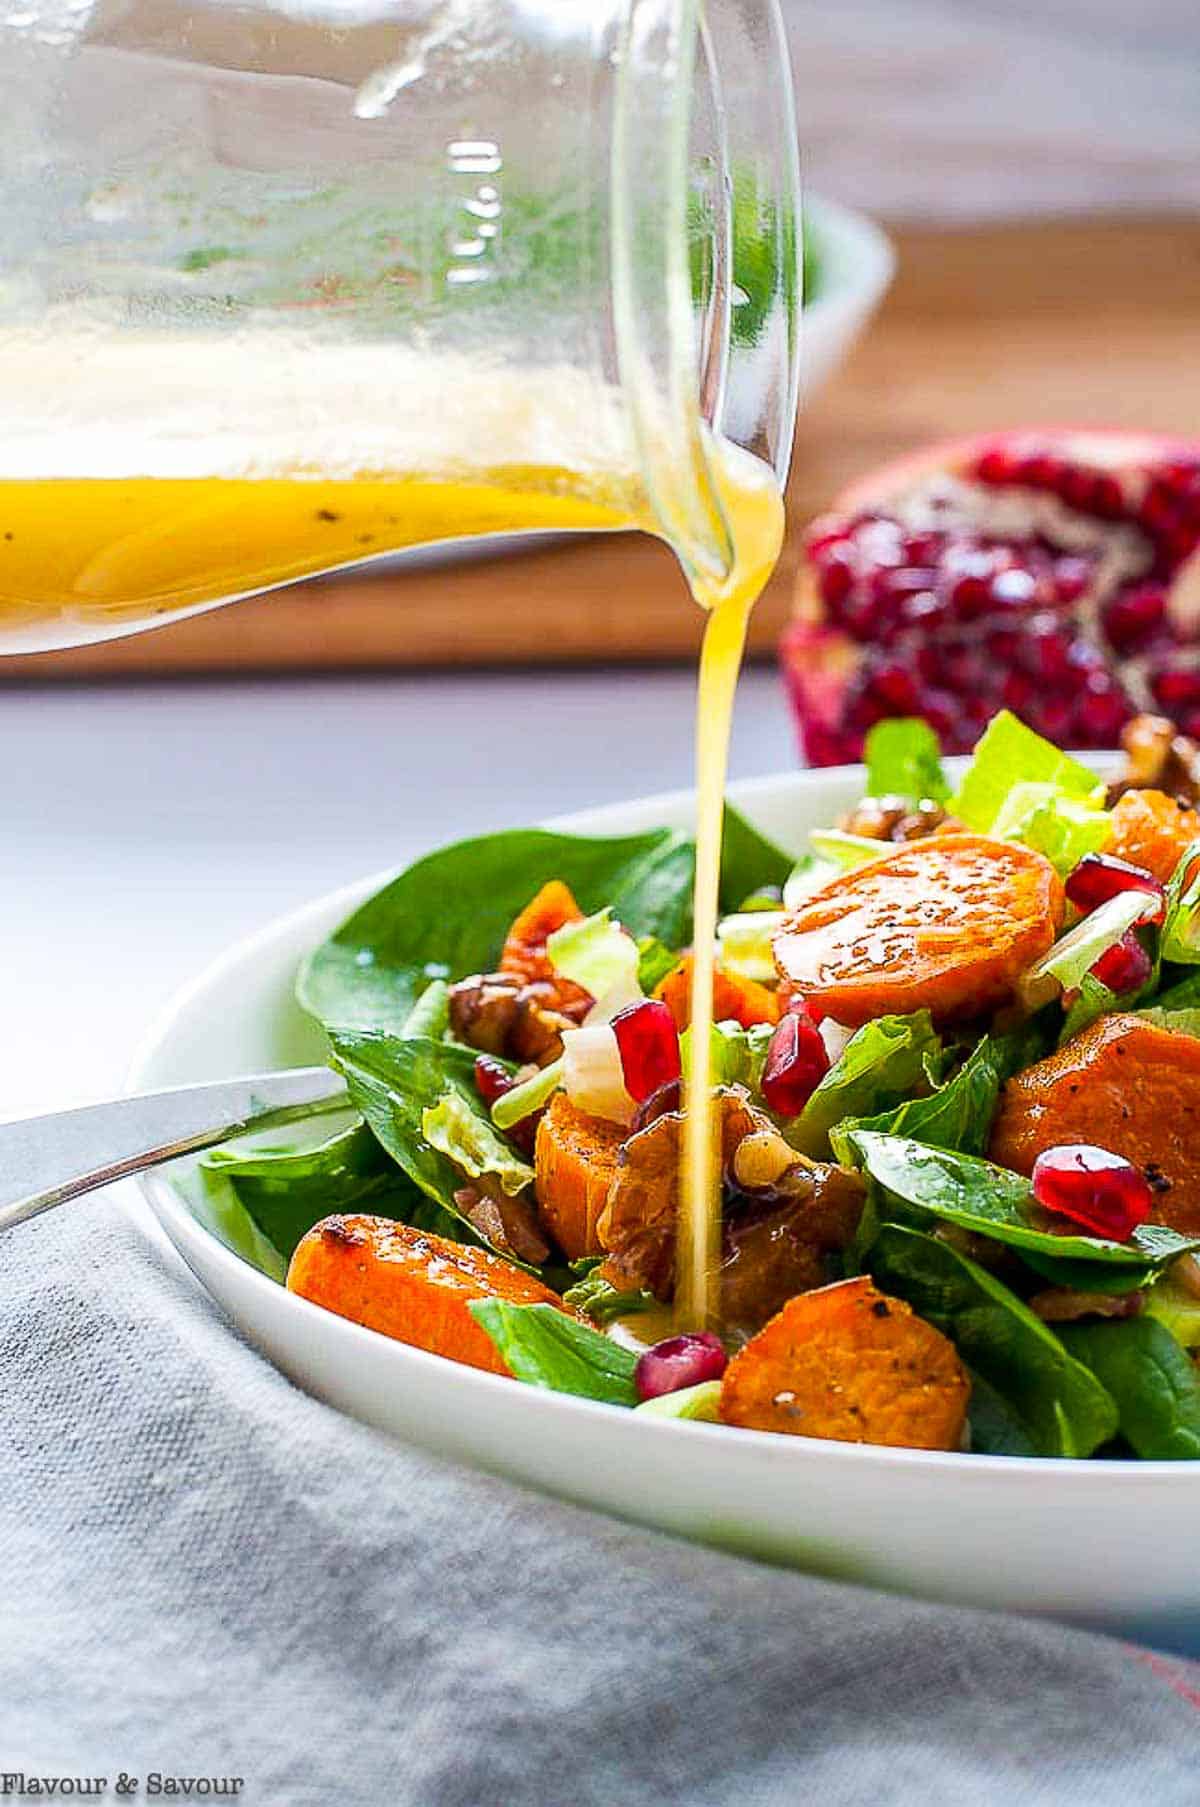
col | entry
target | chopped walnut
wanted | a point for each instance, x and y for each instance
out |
(1063, 1305)
(1158, 758)
(508, 1224)
(893, 819)
(499, 1013)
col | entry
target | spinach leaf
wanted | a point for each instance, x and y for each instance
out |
(285, 1188)
(447, 916)
(996, 1429)
(548, 1348)
(879, 1066)
(957, 1115)
(992, 1201)
(749, 862)
(904, 759)
(1049, 1399)
(393, 1084)
(1152, 1379)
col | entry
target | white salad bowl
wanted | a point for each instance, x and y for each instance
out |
(1106, 1543)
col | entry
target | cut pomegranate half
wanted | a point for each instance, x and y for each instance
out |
(1054, 573)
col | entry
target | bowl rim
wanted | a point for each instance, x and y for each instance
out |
(1014, 1471)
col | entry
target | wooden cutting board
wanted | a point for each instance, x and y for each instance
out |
(1092, 323)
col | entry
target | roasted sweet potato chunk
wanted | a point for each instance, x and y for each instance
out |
(734, 999)
(849, 1363)
(524, 954)
(1123, 1084)
(1150, 829)
(946, 924)
(409, 1284)
(575, 1160)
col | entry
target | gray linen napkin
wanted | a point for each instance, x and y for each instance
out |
(207, 1574)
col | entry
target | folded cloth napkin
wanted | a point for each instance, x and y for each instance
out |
(209, 1575)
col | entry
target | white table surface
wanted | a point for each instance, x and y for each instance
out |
(144, 828)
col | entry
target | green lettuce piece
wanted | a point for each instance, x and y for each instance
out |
(880, 1066)
(1009, 754)
(1179, 1022)
(1151, 1377)
(956, 1115)
(904, 759)
(655, 961)
(1075, 953)
(600, 1300)
(286, 1186)
(807, 876)
(738, 1055)
(1181, 926)
(700, 1404)
(393, 1083)
(1064, 828)
(465, 1137)
(1037, 1393)
(1181, 994)
(513, 1107)
(595, 953)
(992, 1201)
(547, 1348)
(430, 1015)
(746, 940)
(846, 851)
(1176, 1306)
(1092, 1001)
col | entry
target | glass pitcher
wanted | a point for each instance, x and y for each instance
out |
(291, 284)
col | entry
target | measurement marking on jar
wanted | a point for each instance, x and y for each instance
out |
(473, 237)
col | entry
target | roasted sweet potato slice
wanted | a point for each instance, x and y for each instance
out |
(1152, 830)
(1123, 1084)
(575, 1160)
(945, 924)
(734, 999)
(849, 1363)
(410, 1285)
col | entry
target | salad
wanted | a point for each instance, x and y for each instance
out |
(958, 1060)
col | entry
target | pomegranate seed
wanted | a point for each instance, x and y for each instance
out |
(1178, 689)
(1040, 472)
(923, 549)
(1125, 966)
(1134, 614)
(648, 1044)
(1015, 589)
(1091, 1186)
(1101, 712)
(892, 686)
(835, 577)
(679, 1361)
(1076, 487)
(492, 1078)
(1107, 498)
(796, 1063)
(1072, 578)
(1099, 876)
(996, 465)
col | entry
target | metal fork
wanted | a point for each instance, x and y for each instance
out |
(44, 1161)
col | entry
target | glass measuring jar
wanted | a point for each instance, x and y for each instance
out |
(284, 287)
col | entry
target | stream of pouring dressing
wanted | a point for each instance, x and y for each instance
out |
(754, 512)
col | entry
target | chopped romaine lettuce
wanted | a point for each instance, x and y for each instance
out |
(845, 851)
(595, 954)
(738, 1054)
(1010, 754)
(1075, 953)
(1179, 1022)
(1063, 827)
(699, 1403)
(593, 1074)
(655, 961)
(600, 1300)
(745, 943)
(513, 1107)
(903, 759)
(881, 1065)
(807, 876)
(1176, 1306)
(1181, 928)
(466, 1137)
